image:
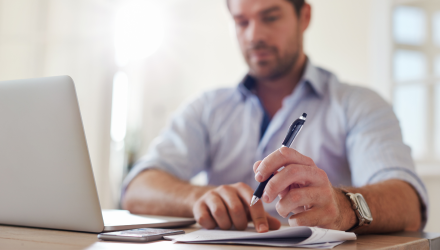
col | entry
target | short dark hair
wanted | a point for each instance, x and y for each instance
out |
(297, 4)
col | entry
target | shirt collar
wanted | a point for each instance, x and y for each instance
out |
(247, 86)
(310, 76)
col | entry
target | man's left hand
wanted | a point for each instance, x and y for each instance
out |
(305, 190)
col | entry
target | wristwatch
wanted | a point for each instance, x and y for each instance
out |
(361, 209)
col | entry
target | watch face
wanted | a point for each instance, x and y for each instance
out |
(363, 208)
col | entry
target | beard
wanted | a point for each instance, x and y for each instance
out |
(271, 69)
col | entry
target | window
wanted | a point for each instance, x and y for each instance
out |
(416, 77)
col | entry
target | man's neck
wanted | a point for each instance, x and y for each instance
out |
(272, 92)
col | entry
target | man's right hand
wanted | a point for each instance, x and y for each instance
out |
(228, 205)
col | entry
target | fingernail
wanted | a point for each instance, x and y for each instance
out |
(258, 176)
(262, 228)
(265, 197)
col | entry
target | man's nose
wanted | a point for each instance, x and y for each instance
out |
(255, 32)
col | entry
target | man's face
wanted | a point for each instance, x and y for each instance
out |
(270, 35)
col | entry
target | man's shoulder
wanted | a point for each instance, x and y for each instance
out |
(358, 96)
(328, 84)
(347, 92)
(359, 104)
(350, 99)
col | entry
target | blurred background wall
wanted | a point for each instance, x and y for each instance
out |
(135, 61)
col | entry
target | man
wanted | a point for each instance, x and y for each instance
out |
(351, 138)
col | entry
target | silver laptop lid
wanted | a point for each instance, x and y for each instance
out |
(46, 178)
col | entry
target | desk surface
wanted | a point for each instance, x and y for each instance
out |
(30, 238)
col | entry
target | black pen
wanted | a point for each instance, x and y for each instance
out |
(290, 137)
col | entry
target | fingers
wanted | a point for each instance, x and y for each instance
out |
(298, 210)
(284, 192)
(291, 174)
(256, 164)
(315, 217)
(297, 198)
(257, 212)
(203, 216)
(235, 206)
(278, 159)
(218, 211)
(229, 205)
(309, 218)
(287, 189)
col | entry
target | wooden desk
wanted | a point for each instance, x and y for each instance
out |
(18, 238)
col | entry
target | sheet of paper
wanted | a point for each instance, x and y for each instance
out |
(277, 243)
(307, 235)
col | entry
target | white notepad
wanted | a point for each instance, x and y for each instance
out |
(311, 237)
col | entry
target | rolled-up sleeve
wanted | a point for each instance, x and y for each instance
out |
(181, 148)
(375, 148)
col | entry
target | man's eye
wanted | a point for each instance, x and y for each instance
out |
(242, 23)
(270, 19)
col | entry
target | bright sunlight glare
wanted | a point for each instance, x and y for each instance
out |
(119, 107)
(139, 30)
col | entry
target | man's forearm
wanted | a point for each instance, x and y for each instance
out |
(156, 192)
(394, 204)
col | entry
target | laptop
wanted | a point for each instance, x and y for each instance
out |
(46, 177)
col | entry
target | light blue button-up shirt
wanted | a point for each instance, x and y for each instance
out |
(350, 132)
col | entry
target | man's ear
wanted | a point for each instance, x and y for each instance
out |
(305, 16)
